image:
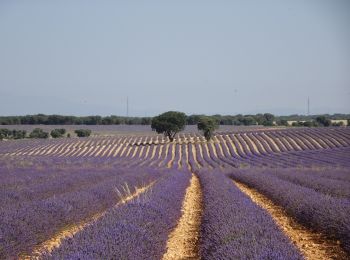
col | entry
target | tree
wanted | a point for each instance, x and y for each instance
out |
(268, 119)
(323, 121)
(83, 132)
(38, 133)
(169, 123)
(56, 133)
(207, 125)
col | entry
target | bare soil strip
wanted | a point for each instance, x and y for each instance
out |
(172, 148)
(69, 231)
(183, 240)
(187, 156)
(312, 245)
(194, 154)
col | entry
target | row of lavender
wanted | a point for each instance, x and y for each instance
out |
(40, 196)
(338, 157)
(234, 227)
(318, 198)
(138, 229)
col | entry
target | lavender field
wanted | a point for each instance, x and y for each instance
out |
(249, 193)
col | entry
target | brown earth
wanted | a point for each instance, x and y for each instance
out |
(183, 240)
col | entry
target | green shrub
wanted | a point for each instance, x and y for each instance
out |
(38, 133)
(4, 133)
(83, 132)
(56, 133)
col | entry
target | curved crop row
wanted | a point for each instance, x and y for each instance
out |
(137, 230)
(273, 148)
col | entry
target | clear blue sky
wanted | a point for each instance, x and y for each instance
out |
(227, 57)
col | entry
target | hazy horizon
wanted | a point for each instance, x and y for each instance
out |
(199, 57)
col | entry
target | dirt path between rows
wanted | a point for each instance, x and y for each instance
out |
(183, 240)
(69, 231)
(312, 245)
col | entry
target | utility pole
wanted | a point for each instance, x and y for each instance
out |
(308, 106)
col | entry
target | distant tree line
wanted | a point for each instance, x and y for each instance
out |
(319, 121)
(266, 119)
(42, 119)
(336, 116)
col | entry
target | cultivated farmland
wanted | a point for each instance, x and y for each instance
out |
(254, 193)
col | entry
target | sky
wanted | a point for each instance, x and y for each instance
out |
(199, 57)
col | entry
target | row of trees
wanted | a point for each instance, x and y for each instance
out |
(336, 116)
(40, 133)
(258, 119)
(266, 119)
(42, 119)
(322, 121)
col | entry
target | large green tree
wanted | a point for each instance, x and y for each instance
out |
(169, 123)
(207, 125)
